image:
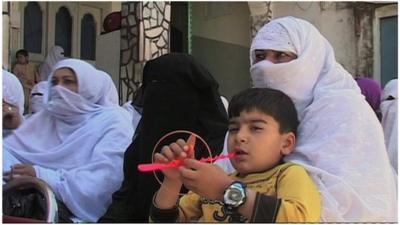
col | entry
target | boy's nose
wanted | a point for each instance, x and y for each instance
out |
(241, 137)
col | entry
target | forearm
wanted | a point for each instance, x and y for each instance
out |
(168, 194)
(163, 208)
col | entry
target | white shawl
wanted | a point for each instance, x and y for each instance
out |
(340, 141)
(133, 113)
(55, 54)
(12, 91)
(389, 120)
(37, 102)
(77, 143)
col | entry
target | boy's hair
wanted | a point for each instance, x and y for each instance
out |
(21, 52)
(269, 101)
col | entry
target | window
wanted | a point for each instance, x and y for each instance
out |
(33, 28)
(64, 30)
(88, 37)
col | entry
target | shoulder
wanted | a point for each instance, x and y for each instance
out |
(291, 170)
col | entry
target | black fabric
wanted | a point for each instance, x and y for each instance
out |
(265, 209)
(177, 94)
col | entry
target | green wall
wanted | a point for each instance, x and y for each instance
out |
(228, 63)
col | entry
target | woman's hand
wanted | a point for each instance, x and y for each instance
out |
(11, 117)
(19, 170)
(207, 180)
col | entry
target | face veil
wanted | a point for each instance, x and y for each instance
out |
(177, 94)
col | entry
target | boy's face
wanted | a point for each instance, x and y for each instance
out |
(256, 139)
(22, 59)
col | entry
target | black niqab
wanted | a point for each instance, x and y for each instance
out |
(177, 94)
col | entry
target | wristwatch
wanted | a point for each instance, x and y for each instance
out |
(235, 195)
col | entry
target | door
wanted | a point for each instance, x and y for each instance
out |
(89, 27)
(388, 39)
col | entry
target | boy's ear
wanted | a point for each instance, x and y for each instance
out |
(288, 143)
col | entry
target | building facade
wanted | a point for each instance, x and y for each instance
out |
(218, 34)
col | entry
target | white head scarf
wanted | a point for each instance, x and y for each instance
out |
(37, 102)
(111, 90)
(225, 103)
(83, 135)
(133, 113)
(12, 91)
(389, 120)
(340, 141)
(55, 54)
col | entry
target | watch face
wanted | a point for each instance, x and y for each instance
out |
(235, 195)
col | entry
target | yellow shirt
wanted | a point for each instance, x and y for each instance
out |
(298, 199)
(27, 74)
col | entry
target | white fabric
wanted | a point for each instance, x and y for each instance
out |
(226, 165)
(340, 141)
(12, 91)
(390, 89)
(225, 103)
(275, 38)
(389, 121)
(111, 90)
(134, 114)
(37, 102)
(77, 143)
(55, 54)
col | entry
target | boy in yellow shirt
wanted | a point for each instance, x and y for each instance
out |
(26, 72)
(262, 130)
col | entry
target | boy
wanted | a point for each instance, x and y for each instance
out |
(26, 72)
(262, 129)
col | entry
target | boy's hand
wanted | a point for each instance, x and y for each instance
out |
(178, 150)
(205, 179)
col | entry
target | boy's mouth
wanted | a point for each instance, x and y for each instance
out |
(240, 152)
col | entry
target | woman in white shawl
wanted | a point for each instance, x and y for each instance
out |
(76, 144)
(36, 102)
(340, 141)
(389, 120)
(13, 102)
(55, 54)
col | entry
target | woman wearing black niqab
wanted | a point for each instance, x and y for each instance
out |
(177, 94)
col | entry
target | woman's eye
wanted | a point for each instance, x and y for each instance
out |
(69, 81)
(54, 82)
(282, 54)
(260, 56)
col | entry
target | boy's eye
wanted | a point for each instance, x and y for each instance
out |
(255, 128)
(233, 129)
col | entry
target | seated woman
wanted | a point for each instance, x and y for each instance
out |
(13, 103)
(177, 94)
(340, 141)
(55, 54)
(36, 102)
(76, 144)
